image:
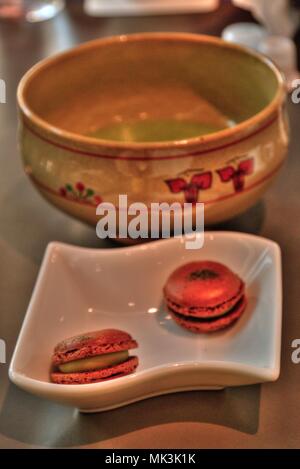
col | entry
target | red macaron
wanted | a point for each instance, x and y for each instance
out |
(93, 357)
(205, 296)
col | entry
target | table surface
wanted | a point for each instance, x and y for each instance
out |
(265, 416)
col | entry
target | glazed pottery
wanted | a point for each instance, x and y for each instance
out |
(159, 78)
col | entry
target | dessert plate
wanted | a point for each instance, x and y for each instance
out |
(148, 7)
(80, 290)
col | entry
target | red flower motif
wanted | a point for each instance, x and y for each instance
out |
(63, 192)
(97, 199)
(80, 186)
(229, 173)
(201, 181)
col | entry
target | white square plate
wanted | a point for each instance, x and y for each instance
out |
(80, 290)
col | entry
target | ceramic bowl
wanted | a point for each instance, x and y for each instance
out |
(135, 87)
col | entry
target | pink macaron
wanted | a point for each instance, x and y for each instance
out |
(93, 357)
(205, 296)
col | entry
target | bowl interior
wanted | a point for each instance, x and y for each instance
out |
(151, 88)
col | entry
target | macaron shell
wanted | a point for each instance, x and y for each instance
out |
(92, 343)
(96, 376)
(186, 290)
(220, 323)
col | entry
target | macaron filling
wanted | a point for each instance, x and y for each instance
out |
(194, 319)
(208, 311)
(96, 362)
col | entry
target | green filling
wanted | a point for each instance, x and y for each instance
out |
(94, 363)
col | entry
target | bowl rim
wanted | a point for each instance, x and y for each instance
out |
(243, 128)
